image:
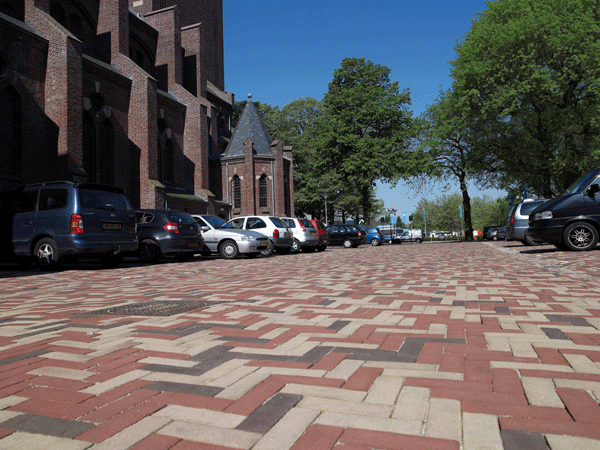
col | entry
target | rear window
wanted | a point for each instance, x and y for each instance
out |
(111, 201)
(320, 225)
(526, 208)
(290, 223)
(278, 222)
(180, 218)
(306, 223)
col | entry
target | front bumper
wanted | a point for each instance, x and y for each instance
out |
(545, 232)
(252, 246)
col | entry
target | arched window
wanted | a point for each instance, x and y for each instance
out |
(237, 192)
(263, 199)
(10, 134)
(105, 152)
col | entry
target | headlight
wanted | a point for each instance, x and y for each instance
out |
(245, 238)
(543, 215)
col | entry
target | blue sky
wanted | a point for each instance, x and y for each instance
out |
(283, 50)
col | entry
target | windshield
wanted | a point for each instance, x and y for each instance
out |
(216, 222)
(278, 222)
(582, 182)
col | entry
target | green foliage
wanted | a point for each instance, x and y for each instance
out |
(442, 214)
(364, 129)
(529, 76)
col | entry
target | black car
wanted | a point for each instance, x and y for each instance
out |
(347, 235)
(55, 221)
(167, 233)
(571, 221)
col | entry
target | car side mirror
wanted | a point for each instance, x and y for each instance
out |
(591, 190)
(204, 229)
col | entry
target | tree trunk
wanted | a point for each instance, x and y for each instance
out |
(467, 208)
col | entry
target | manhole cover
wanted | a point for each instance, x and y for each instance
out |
(152, 308)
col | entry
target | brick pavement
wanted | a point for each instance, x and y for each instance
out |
(487, 345)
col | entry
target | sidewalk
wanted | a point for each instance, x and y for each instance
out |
(442, 345)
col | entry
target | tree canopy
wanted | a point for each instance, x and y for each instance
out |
(364, 129)
(529, 74)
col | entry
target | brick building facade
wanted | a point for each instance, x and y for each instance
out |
(124, 92)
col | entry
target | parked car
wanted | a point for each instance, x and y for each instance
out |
(374, 236)
(347, 235)
(220, 237)
(363, 234)
(572, 220)
(167, 233)
(53, 221)
(492, 234)
(413, 235)
(279, 234)
(304, 234)
(519, 218)
(321, 234)
(487, 231)
(501, 234)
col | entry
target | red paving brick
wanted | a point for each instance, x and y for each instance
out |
(156, 442)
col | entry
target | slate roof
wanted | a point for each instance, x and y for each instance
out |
(250, 126)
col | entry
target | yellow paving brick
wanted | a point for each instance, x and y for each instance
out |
(205, 416)
(233, 376)
(11, 400)
(29, 441)
(517, 365)
(209, 434)
(73, 357)
(422, 374)
(523, 350)
(562, 442)
(117, 381)
(385, 390)
(168, 362)
(60, 372)
(444, 419)
(541, 392)
(412, 404)
(133, 434)
(582, 364)
(288, 430)
(288, 371)
(334, 419)
(344, 369)
(324, 392)
(481, 432)
(243, 385)
(333, 405)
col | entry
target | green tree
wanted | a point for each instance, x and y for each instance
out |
(364, 129)
(528, 71)
(448, 145)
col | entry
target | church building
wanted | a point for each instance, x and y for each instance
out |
(129, 93)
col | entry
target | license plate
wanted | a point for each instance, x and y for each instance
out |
(313, 233)
(263, 244)
(112, 226)
(192, 244)
(287, 234)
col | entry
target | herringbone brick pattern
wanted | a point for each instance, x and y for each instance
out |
(417, 346)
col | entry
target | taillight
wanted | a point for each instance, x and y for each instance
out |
(171, 227)
(76, 224)
(302, 225)
(276, 233)
(512, 219)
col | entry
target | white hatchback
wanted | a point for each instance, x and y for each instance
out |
(279, 234)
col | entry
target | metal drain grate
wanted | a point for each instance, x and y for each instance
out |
(152, 308)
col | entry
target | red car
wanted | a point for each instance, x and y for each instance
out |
(321, 234)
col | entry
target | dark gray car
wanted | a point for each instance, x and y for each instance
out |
(518, 220)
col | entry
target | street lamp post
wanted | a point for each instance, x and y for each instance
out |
(325, 197)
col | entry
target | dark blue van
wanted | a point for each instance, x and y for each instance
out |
(53, 221)
(571, 221)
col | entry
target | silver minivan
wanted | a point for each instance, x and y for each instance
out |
(519, 218)
(304, 232)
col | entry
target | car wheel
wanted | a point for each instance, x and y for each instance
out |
(321, 248)
(184, 257)
(374, 242)
(495, 238)
(527, 241)
(419, 241)
(149, 252)
(46, 254)
(348, 243)
(580, 236)
(296, 247)
(269, 250)
(229, 250)
(110, 261)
